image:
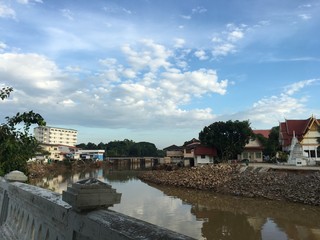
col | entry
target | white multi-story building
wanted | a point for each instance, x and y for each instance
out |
(55, 135)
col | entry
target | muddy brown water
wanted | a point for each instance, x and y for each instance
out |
(200, 214)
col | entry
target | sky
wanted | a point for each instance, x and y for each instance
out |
(159, 70)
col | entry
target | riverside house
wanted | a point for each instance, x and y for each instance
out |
(254, 149)
(174, 154)
(192, 154)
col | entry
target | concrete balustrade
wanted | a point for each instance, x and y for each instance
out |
(32, 213)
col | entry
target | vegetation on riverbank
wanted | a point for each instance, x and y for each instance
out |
(38, 170)
(243, 181)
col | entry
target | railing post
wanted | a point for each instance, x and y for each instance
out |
(89, 194)
(16, 176)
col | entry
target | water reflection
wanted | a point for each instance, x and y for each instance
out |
(202, 215)
(227, 217)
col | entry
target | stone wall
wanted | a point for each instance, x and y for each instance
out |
(28, 212)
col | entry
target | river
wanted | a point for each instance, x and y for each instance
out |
(200, 214)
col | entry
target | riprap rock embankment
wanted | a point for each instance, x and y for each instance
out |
(243, 181)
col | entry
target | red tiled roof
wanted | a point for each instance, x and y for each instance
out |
(203, 150)
(264, 133)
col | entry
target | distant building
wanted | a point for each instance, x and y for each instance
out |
(192, 153)
(57, 152)
(306, 132)
(174, 154)
(253, 150)
(96, 155)
(55, 135)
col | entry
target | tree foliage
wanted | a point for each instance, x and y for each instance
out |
(229, 138)
(5, 92)
(125, 148)
(272, 146)
(16, 144)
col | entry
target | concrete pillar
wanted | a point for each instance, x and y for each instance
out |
(16, 176)
(89, 194)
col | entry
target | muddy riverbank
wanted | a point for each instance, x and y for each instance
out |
(243, 181)
(38, 170)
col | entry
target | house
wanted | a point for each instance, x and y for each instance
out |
(204, 155)
(57, 152)
(254, 149)
(196, 154)
(306, 132)
(174, 154)
(192, 153)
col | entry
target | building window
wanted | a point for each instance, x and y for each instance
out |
(203, 156)
(258, 155)
(313, 153)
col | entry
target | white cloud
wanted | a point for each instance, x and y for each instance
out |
(3, 46)
(126, 11)
(194, 83)
(187, 17)
(148, 91)
(108, 61)
(199, 9)
(269, 110)
(152, 56)
(201, 54)
(179, 42)
(67, 14)
(216, 40)
(305, 16)
(67, 103)
(223, 49)
(295, 87)
(129, 73)
(226, 42)
(7, 12)
(30, 70)
(235, 35)
(305, 6)
(28, 1)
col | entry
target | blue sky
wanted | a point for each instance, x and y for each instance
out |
(159, 71)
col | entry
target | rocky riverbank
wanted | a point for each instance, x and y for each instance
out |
(243, 181)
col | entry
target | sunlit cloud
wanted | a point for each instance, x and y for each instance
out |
(6, 11)
(305, 16)
(201, 54)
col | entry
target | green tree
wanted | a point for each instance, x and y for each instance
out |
(143, 149)
(82, 146)
(5, 92)
(229, 138)
(272, 145)
(119, 148)
(16, 144)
